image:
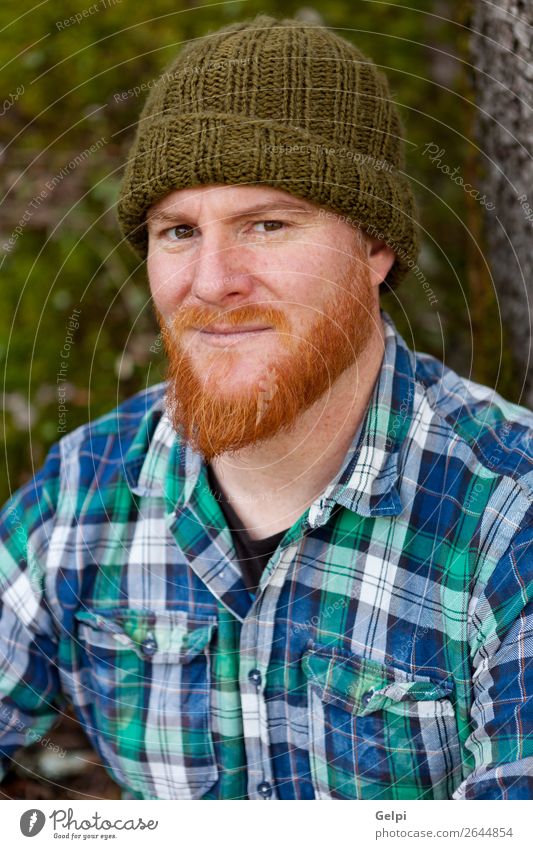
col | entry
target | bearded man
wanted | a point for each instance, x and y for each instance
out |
(301, 567)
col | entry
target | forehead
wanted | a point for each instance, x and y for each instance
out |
(229, 198)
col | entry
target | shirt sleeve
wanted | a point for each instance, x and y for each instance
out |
(29, 681)
(502, 710)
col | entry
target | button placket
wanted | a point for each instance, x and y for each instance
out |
(255, 650)
(255, 677)
(264, 788)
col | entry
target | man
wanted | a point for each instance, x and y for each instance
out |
(301, 568)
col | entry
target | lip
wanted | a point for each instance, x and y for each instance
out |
(219, 329)
(232, 336)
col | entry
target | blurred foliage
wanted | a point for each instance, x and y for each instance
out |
(59, 83)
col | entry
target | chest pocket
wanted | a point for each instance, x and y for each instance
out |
(376, 732)
(148, 677)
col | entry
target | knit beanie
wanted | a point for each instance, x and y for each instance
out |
(281, 103)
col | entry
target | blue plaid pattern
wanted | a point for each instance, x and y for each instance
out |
(386, 655)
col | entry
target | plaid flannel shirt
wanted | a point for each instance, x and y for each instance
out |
(386, 655)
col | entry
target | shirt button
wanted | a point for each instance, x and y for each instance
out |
(265, 789)
(254, 676)
(365, 698)
(149, 645)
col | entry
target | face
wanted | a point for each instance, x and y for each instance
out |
(264, 300)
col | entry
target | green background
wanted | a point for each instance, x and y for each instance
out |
(69, 254)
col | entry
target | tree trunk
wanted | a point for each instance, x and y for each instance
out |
(502, 39)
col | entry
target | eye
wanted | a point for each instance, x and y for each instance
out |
(180, 232)
(269, 226)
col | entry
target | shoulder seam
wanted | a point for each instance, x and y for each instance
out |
(478, 454)
(84, 431)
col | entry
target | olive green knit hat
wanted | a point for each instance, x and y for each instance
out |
(281, 103)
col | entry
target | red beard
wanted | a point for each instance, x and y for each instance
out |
(217, 421)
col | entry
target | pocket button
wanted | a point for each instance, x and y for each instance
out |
(149, 645)
(365, 698)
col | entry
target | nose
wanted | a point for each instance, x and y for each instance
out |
(217, 273)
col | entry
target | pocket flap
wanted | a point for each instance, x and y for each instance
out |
(361, 686)
(160, 636)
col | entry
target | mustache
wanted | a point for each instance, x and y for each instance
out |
(198, 317)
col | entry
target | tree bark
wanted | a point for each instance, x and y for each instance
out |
(501, 42)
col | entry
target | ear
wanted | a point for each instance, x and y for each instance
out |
(380, 259)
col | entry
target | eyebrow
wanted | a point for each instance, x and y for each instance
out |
(268, 206)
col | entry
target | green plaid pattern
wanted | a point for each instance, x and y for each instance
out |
(386, 655)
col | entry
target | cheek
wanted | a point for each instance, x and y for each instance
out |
(167, 284)
(310, 275)
(310, 299)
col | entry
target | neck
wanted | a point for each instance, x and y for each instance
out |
(283, 475)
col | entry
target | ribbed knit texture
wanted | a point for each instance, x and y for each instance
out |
(281, 103)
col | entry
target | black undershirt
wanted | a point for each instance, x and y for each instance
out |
(253, 554)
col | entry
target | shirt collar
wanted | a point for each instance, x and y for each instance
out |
(367, 483)
(160, 462)
(146, 459)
